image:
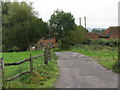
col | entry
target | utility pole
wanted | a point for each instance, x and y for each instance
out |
(119, 13)
(80, 21)
(85, 21)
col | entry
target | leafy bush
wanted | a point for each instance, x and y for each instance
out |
(116, 66)
(74, 37)
(87, 41)
(113, 42)
(15, 48)
(104, 42)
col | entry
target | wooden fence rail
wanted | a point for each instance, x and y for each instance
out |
(25, 60)
(47, 57)
(21, 74)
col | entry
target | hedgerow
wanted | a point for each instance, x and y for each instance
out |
(112, 42)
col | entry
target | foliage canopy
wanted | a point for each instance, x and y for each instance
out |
(61, 23)
(21, 26)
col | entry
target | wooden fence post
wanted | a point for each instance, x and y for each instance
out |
(45, 56)
(49, 54)
(2, 69)
(31, 63)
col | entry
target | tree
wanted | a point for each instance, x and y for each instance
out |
(95, 30)
(74, 37)
(22, 28)
(102, 30)
(61, 24)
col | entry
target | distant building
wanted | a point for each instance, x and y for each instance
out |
(44, 42)
(110, 33)
(92, 35)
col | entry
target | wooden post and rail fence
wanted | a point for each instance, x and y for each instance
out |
(47, 57)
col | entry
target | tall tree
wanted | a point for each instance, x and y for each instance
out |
(22, 27)
(61, 23)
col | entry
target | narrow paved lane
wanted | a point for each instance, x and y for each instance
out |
(79, 71)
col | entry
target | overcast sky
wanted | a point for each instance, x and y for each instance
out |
(99, 13)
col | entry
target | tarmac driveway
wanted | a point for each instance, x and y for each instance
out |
(80, 71)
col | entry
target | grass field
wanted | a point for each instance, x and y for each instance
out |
(43, 76)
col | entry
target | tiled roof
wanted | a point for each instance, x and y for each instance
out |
(112, 32)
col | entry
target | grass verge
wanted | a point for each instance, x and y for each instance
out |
(43, 76)
(106, 56)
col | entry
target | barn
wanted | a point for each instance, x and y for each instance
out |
(110, 33)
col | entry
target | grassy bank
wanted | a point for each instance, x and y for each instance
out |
(43, 76)
(105, 55)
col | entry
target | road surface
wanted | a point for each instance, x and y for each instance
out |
(80, 71)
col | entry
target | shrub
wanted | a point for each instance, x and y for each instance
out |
(114, 42)
(74, 37)
(116, 66)
(15, 48)
(104, 42)
(87, 41)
